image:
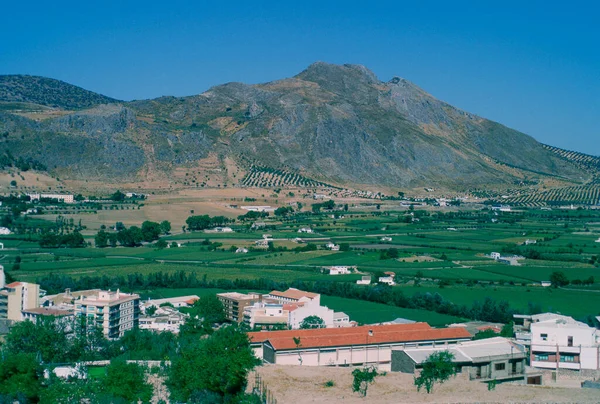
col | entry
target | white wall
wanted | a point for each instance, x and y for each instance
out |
(311, 309)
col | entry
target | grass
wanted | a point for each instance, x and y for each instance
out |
(574, 303)
(369, 312)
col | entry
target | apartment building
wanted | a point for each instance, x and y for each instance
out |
(16, 297)
(114, 312)
(234, 304)
(560, 342)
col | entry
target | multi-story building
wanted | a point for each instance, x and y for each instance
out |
(560, 342)
(63, 315)
(267, 316)
(66, 198)
(16, 297)
(114, 312)
(234, 304)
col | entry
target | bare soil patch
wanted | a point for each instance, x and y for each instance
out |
(303, 384)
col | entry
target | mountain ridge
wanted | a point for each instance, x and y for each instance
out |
(336, 124)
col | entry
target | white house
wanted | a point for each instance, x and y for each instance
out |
(164, 319)
(495, 255)
(365, 280)
(223, 229)
(546, 284)
(332, 247)
(338, 270)
(529, 242)
(560, 342)
(387, 280)
(384, 239)
(258, 208)
(4, 231)
(241, 250)
(305, 230)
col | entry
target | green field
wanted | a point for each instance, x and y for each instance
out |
(442, 245)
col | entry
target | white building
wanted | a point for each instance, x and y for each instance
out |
(365, 280)
(338, 270)
(241, 250)
(164, 319)
(341, 319)
(5, 231)
(495, 255)
(305, 230)
(389, 280)
(223, 229)
(258, 208)
(386, 239)
(266, 315)
(66, 198)
(332, 247)
(560, 342)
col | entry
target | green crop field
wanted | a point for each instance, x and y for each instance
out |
(452, 246)
(369, 312)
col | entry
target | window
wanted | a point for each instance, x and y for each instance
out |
(500, 366)
(569, 341)
(567, 358)
(544, 337)
(541, 357)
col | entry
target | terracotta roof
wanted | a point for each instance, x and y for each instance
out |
(13, 285)
(292, 293)
(328, 337)
(292, 306)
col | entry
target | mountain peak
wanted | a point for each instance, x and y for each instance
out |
(323, 71)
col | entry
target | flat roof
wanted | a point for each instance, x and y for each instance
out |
(470, 351)
(50, 311)
(238, 296)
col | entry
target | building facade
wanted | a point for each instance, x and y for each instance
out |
(352, 346)
(487, 359)
(113, 312)
(16, 297)
(563, 343)
(234, 304)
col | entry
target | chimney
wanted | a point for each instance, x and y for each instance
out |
(370, 333)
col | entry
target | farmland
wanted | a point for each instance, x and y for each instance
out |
(443, 251)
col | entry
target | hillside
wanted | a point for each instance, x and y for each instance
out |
(47, 92)
(330, 124)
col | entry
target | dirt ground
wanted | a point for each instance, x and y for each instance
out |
(303, 384)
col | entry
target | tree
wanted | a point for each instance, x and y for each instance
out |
(508, 330)
(210, 308)
(150, 230)
(160, 244)
(485, 334)
(101, 239)
(437, 368)
(118, 196)
(126, 381)
(344, 246)
(312, 322)
(362, 378)
(283, 211)
(46, 339)
(165, 226)
(21, 377)
(558, 279)
(217, 365)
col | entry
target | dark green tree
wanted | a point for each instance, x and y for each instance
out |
(216, 365)
(558, 279)
(165, 227)
(362, 378)
(312, 322)
(437, 368)
(21, 377)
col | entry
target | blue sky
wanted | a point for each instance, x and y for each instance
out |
(531, 65)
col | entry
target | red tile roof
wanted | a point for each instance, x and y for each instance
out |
(292, 293)
(381, 334)
(13, 285)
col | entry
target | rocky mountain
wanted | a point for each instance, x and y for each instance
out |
(334, 124)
